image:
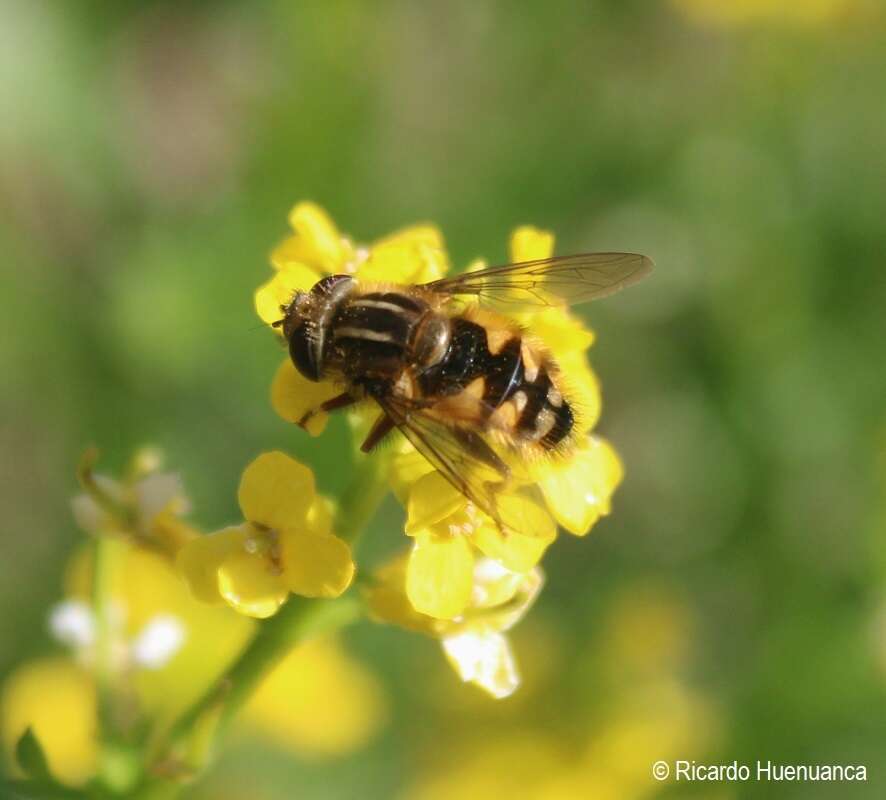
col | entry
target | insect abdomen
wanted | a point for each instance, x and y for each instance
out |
(513, 380)
(544, 414)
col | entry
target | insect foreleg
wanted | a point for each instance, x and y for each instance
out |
(381, 428)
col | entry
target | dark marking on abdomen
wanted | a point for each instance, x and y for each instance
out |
(564, 420)
(543, 420)
(544, 415)
(505, 373)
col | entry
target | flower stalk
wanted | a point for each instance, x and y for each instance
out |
(188, 746)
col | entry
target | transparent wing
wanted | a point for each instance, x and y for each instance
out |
(479, 468)
(549, 281)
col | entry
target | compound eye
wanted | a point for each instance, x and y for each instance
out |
(325, 286)
(302, 351)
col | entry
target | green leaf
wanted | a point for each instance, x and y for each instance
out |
(31, 758)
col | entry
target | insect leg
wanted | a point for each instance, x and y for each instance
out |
(333, 404)
(381, 428)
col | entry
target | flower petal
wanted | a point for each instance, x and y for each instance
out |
(519, 512)
(324, 247)
(319, 519)
(387, 601)
(406, 468)
(297, 399)
(560, 331)
(251, 584)
(431, 499)
(515, 551)
(276, 491)
(422, 233)
(199, 559)
(494, 584)
(278, 291)
(484, 659)
(404, 260)
(315, 565)
(440, 575)
(583, 388)
(578, 491)
(529, 243)
(55, 698)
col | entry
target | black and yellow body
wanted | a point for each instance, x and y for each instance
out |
(469, 368)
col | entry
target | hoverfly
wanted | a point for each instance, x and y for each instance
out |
(475, 394)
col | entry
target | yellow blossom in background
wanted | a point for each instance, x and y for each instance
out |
(168, 649)
(56, 699)
(286, 545)
(731, 13)
(649, 712)
(317, 702)
(146, 589)
(474, 641)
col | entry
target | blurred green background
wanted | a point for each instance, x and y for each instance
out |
(149, 154)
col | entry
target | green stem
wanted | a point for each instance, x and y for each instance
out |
(106, 552)
(187, 747)
(362, 497)
(118, 765)
(299, 619)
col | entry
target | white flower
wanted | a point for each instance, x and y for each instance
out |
(71, 622)
(157, 642)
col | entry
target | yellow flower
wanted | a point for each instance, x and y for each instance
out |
(450, 536)
(145, 589)
(317, 702)
(56, 699)
(441, 565)
(473, 641)
(316, 248)
(286, 544)
(578, 489)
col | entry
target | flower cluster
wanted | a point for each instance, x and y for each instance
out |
(285, 545)
(153, 648)
(474, 644)
(452, 542)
